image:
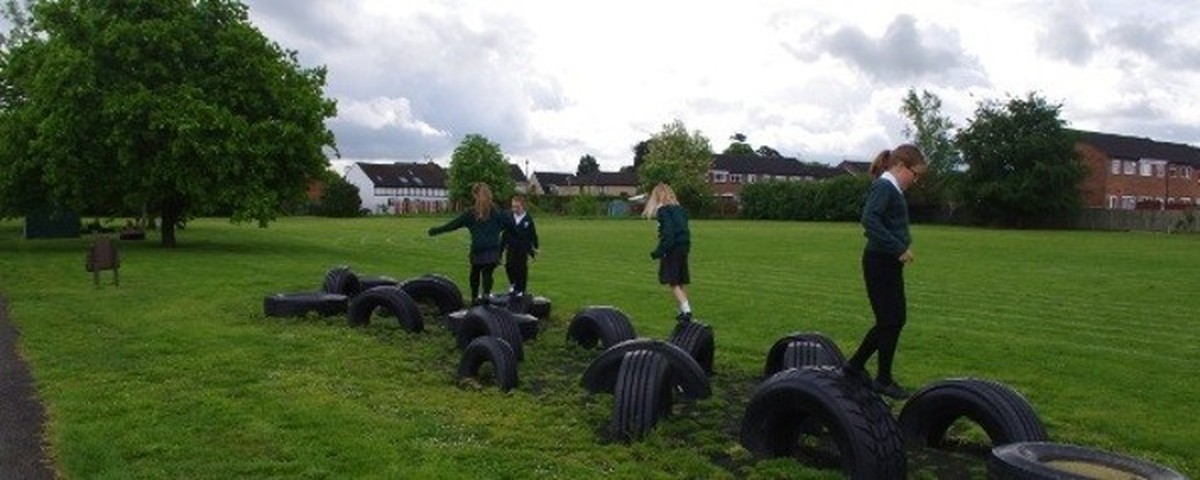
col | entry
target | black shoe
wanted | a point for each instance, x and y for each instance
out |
(890, 389)
(478, 301)
(684, 317)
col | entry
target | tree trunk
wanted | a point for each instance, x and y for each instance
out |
(170, 217)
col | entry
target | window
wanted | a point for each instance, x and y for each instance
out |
(1147, 168)
(1128, 202)
(1174, 171)
(735, 178)
(1160, 170)
(1170, 200)
(1112, 200)
(1116, 167)
(750, 178)
(1186, 200)
(719, 177)
(1130, 167)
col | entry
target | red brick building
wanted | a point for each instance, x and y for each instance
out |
(729, 173)
(1132, 172)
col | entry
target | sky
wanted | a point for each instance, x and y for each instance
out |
(551, 81)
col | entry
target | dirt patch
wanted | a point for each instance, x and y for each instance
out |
(22, 453)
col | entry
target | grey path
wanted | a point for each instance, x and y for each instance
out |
(21, 413)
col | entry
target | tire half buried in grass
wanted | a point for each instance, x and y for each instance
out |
(391, 299)
(803, 349)
(642, 395)
(603, 326)
(487, 320)
(435, 290)
(493, 350)
(1055, 461)
(341, 280)
(787, 404)
(1004, 414)
(696, 339)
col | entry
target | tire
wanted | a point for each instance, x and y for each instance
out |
(1004, 414)
(301, 304)
(540, 307)
(528, 325)
(368, 283)
(776, 356)
(605, 326)
(454, 320)
(341, 280)
(493, 322)
(1044, 460)
(393, 300)
(642, 395)
(860, 424)
(490, 350)
(696, 339)
(601, 374)
(519, 303)
(438, 291)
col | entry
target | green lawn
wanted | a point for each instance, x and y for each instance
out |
(176, 373)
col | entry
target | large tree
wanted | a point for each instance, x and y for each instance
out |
(932, 132)
(682, 160)
(587, 165)
(179, 107)
(1022, 164)
(477, 159)
(739, 146)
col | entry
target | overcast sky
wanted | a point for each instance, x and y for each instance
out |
(551, 81)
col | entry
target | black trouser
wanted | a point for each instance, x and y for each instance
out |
(884, 276)
(482, 272)
(516, 266)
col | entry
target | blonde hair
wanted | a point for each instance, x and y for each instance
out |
(907, 154)
(660, 196)
(483, 200)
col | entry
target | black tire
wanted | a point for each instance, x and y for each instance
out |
(492, 350)
(642, 395)
(516, 303)
(341, 280)
(785, 405)
(454, 320)
(601, 374)
(696, 339)
(605, 326)
(540, 307)
(528, 325)
(438, 291)
(1055, 461)
(490, 321)
(391, 299)
(301, 304)
(367, 283)
(775, 357)
(1003, 413)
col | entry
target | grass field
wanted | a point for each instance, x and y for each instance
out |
(177, 374)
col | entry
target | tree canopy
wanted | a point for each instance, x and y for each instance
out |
(739, 146)
(681, 160)
(477, 159)
(1022, 164)
(933, 133)
(587, 165)
(177, 107)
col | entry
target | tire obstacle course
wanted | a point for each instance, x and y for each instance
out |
(803, 396)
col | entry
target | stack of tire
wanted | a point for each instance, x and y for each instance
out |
(642, 374)
(489, 334)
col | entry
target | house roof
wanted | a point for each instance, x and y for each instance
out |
(616, 179)
(854, 166)
(753, 164)
(1135, 148)
(517, 175)
(553, 178)
(400, 175)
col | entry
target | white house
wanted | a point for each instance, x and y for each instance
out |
(400, 187)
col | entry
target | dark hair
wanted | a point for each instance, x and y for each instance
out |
(907, 154)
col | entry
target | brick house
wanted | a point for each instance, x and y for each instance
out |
(1127, 172)
(604, 183)
(729, 173)
(548, 183)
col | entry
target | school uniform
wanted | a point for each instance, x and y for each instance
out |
(484, 254)
(674, 243)
(520, 242)
(885, 225)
